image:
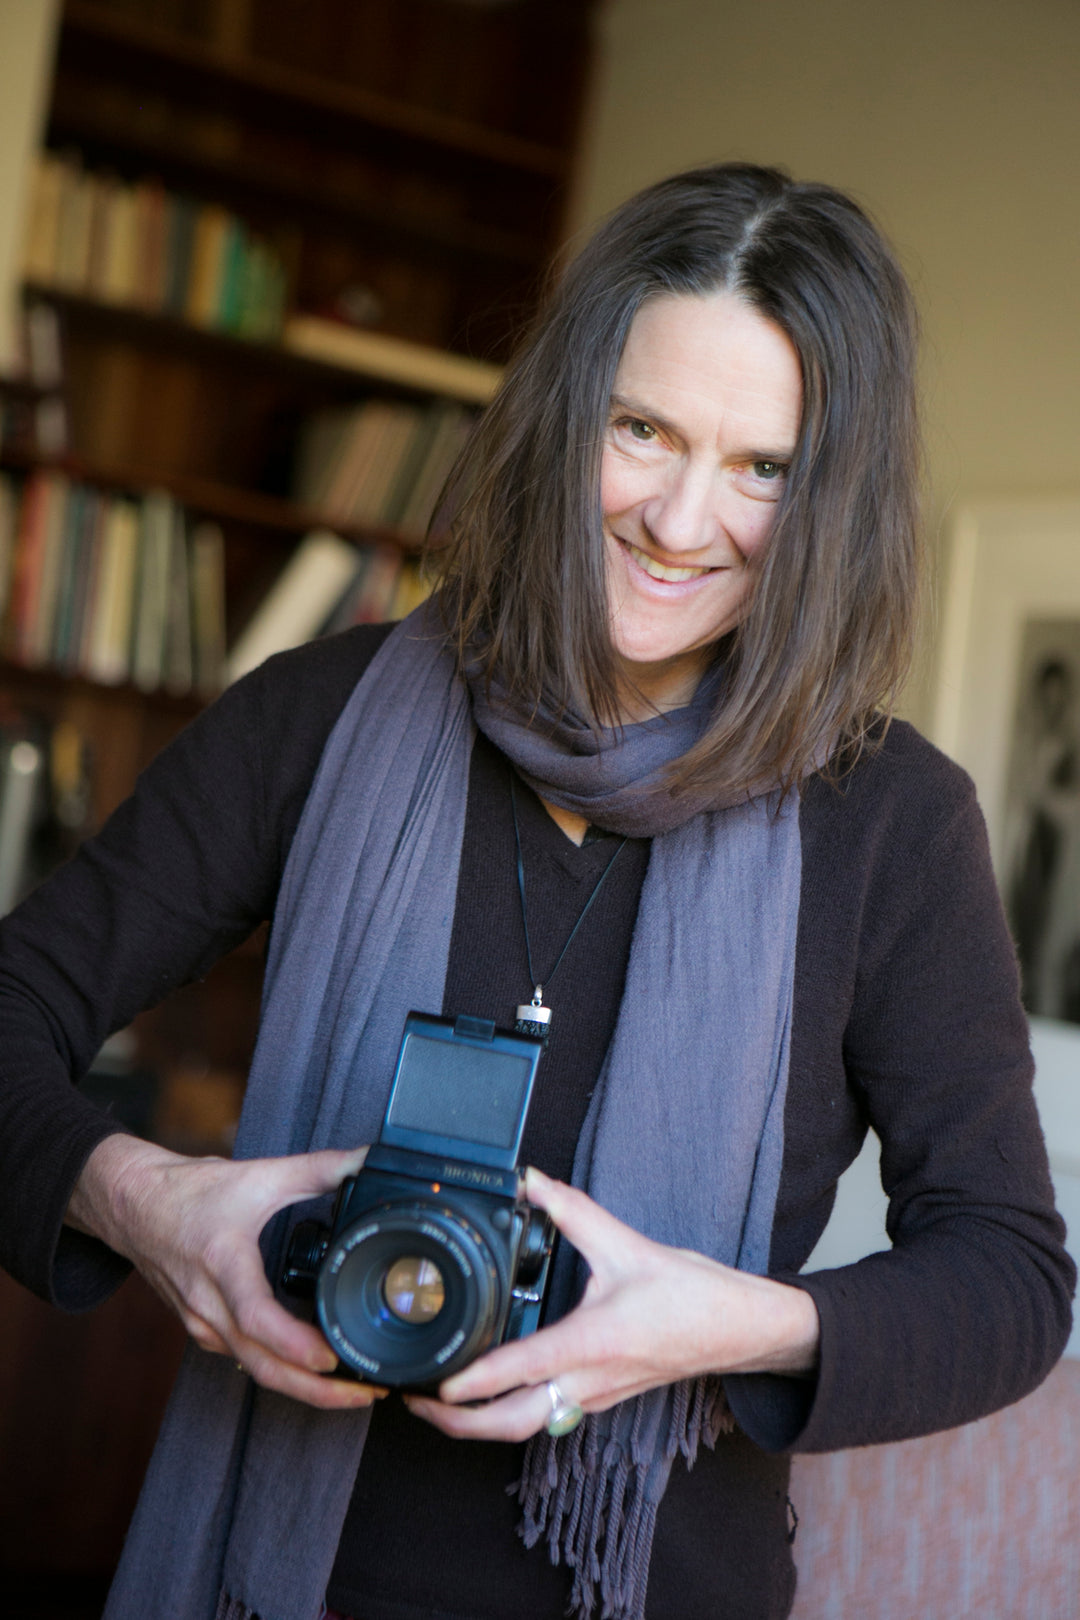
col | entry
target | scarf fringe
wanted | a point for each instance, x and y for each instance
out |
(230, 1608)
(593, 1496)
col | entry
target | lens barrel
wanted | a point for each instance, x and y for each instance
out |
(374, 1315)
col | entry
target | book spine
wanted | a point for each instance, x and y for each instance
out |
(22, 768)
(151, 610)
(208, 608)
(312, 582)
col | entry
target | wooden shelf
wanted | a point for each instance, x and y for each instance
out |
(96, 39)
(321, 350)
(46, 678)
(23, 388)
(208, 498)
(310, 200)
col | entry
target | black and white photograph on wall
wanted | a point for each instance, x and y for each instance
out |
(1041, 867)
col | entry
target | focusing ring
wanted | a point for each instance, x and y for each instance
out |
(352, 1308)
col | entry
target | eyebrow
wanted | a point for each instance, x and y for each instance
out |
(623, 404)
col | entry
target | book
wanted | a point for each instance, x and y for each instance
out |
(208, 608)
(109, 611)
(452, 430)
(358, 456)
(151, 227)
(30, 539)
(152, 590)
(369, 500)
(38, 639)
(207, 264)
(320, 446)
(410, 589)
(179, 245)
(312, 582)
(78, 511)
(43, 217)
(177, 658)
(22, 771)
(9, 517)
(120, 249)
(234, 255)
(372, 604)
(77, 197)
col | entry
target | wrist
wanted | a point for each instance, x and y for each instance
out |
(786, 1334)
(113, 1182)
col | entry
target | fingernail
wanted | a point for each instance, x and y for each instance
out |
(323, 1361)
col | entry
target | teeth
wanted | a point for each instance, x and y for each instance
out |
(658, 570)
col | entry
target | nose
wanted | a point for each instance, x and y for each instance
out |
(684, 515)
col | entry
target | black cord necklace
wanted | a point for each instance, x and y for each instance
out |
(533, 1018)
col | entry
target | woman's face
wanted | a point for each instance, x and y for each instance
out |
(703, 422)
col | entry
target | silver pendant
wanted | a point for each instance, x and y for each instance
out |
(533, 1018)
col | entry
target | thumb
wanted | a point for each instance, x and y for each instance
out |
(309, 1175)
(599, 1237)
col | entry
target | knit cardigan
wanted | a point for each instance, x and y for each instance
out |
(906, 1017)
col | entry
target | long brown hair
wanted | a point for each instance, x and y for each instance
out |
(827, 637)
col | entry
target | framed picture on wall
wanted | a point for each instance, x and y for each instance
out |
(1008, 709)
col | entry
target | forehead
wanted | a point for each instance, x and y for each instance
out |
(713, 353)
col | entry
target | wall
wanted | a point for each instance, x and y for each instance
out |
(958, 125)
(27, 34)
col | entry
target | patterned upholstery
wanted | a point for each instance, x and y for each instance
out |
(982, 1521)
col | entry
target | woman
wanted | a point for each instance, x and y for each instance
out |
(677, 597)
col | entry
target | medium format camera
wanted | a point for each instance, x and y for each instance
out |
(432, 1255)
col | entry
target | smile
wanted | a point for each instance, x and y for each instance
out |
(659, 570)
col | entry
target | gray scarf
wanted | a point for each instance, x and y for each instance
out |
(244, 1500)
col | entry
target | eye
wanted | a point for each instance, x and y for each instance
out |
(769, 470)
(642, 431)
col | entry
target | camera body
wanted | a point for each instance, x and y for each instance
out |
(432, 1255)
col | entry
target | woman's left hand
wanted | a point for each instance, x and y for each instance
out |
(650, 1315)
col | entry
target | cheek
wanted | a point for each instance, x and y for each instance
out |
(620, 484)
(755, 527)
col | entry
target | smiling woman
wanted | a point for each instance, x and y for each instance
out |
(678, 592)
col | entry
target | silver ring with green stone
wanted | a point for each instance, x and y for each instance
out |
(565, 1415)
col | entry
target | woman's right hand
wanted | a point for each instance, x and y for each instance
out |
(192, 1226)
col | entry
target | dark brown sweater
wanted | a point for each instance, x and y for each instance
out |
(906, 1017)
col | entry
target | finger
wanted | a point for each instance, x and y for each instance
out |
(258, 1320)
(515, 1417)
(329, 1394)
(605, 1242)
(305, 1175)
(532, 1360)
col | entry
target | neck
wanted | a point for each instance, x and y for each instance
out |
(648, 689)
(568, 821)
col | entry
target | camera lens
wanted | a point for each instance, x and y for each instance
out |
(413, 1289)
(409, 1292)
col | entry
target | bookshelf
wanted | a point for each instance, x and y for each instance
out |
(416, 154)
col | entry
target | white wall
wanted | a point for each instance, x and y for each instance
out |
(27, 40)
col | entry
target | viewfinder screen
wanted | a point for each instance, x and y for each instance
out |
(459, 1090)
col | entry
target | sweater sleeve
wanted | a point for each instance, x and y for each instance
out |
(182, 872)
(969, 1310)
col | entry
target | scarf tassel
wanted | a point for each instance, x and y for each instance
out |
(593, 1496)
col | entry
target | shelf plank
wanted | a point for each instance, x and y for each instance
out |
(391, 359)
(312, 200)
(46, 678)
(122, 43)
(326, 348)
(208, 498)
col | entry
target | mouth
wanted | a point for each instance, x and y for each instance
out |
(663, 571)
